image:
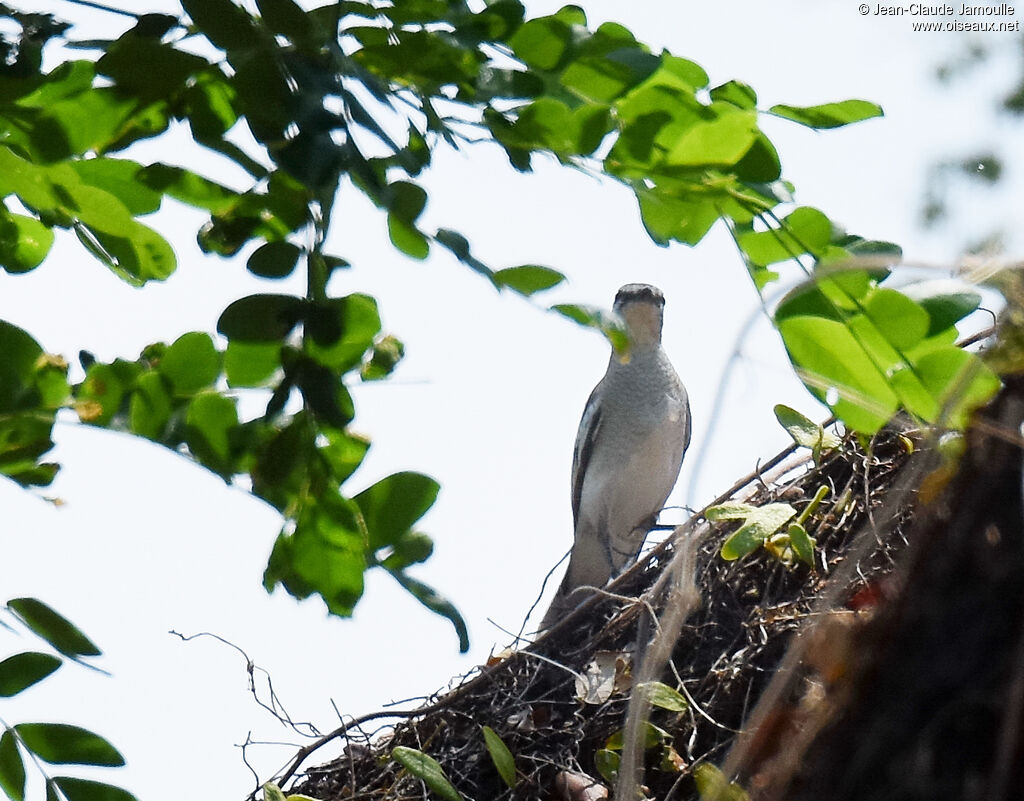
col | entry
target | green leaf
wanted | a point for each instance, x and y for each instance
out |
(251, 364)
(607, 763)
(591, 317)
(21, 671)
(148, 69)
(405, 200)
(406, 238)
(99, 396)
(683, 70)
(274, 260)
(90, 121)
(344, 452)
(683, 219)
(51, 380)
(804, 431)
(61, 744)
(829, 115)
(761, 163)
(392, 505)
(150, 408)
(528, 279)
(121, 178)
(24, 438)
(429, 597)
(134, 253)
(209, 103)
(282, 465)
(210, 421)
(264, 95)
(67, 80)
(603, 78)
(341, 330)
(804, 230)
(653, 737)
(548, 123)
(191, 363)
(325, 554)
(458, 245)
(721, 141)
(57, 630)
(12, 769)
(410, 549)
(958, 380)
(946, 302)
(801, 543)
(260, 318)
(287, 18)
(325, 395)
(24, 242)
(188, 187)
(228, 26)
(541, 43)
(836, 369)
(387, 353)
(500, 756)
(736, 92)
(759, 523)
(664, 697)
(893, 363)
(900, 320)
(834, 295)
(20, 352)
(271, 792)
(28, 180)
(86, 790)
(713, 786)
(427, 769)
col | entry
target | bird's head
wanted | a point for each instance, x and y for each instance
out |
(641, 307)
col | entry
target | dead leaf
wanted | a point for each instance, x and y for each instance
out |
(607, 673)
(498, 658)
(572, 786)
(521, 721)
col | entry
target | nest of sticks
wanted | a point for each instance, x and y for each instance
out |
(722, 660)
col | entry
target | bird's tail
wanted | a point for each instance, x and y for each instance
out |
(567, 598)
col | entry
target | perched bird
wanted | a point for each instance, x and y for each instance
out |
(629, 448)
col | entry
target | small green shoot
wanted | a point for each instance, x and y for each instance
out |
(713, 786)
(271, 792)
(805, 432)
(607, 763)
(762, 525)
(500, 756)
(427, 769)
(759, 523)
(653, 737)
(663, 696)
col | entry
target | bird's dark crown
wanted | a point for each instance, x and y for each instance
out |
(638, 293)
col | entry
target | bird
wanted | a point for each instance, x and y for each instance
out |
(629, 449)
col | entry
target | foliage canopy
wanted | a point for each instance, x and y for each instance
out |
(356, 96)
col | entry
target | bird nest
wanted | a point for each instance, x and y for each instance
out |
(559, 704)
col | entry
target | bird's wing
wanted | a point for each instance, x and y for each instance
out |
(585, 438)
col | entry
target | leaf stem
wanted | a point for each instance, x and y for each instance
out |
(819, 496)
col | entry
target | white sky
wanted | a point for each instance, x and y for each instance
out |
(487, 400)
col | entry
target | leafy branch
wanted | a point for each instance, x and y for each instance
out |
(53, 743)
